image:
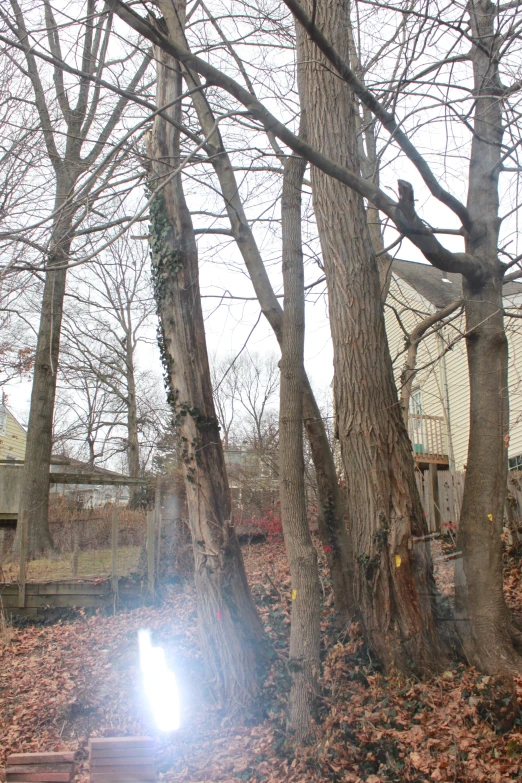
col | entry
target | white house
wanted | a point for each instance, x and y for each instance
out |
(439, 404)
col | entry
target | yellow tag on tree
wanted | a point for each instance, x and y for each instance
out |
(294, 595)
(398, 561)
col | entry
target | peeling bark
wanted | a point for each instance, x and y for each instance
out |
(231, 635)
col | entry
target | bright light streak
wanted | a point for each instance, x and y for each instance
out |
(159, 684)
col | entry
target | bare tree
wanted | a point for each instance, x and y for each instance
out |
(75, 124)
(493, 33)
(107, 317)
(230, 630)
(86, 415)
(302, 557)
(331, 508)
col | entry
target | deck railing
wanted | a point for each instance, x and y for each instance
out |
(428, 436)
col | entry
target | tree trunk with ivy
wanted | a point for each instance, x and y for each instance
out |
(230, 630)
(332, 512)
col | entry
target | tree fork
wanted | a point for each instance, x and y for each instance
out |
(332, 513)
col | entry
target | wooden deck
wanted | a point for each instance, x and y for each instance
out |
(40, 597)
(429, 441)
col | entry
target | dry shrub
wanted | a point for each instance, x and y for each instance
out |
(94, 525)
(6, 630)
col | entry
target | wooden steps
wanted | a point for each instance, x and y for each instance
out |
(121, 760)
(60, 594)
(40, 768)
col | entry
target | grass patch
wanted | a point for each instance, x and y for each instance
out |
(92, 563)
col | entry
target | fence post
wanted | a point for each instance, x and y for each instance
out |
(114, 547)
(23, 559)
(435, 495)
(150, 549)
(76, 546)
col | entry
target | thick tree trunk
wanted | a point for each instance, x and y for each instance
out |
(394, 582)
(230, 630)
(302, 557)
(34, 496)
(484, 620)
(332, 514)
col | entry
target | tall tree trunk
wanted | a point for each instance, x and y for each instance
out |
(394, 582)
(484, 620)
(34, 495)
(230, 630)
(133, 454)
(332, 514)
(302, 557)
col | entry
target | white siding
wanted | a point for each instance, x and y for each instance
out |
(451, 370)
(429, 377)
(12, 444)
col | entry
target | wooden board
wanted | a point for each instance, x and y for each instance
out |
(32, 767)
(53, 757)
(117, 753)
(96, 743)
(128, 759)
(37, 601)
(122, 777)
(74, 588)
(142, 772)
(38, 777)
(98, 479)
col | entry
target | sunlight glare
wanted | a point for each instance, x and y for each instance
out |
(159, 684)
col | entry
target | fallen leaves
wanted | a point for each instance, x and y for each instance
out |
(61, 684)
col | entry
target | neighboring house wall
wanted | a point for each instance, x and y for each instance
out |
(91, 496)
(12, 436)
(443, 382)
(404, 304)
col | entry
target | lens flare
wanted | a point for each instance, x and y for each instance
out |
(159, 684)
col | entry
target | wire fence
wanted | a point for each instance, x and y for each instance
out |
(89, 543)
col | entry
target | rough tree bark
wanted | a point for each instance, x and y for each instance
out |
(332, 513)
(302, 557)
(230, 630)
(489, 625)
(394, 583)
(484, 620)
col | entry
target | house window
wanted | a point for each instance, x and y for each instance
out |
(3, 423)
(515, 463)
(416, 423)
(416, 402)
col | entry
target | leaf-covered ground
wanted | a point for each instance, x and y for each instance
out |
(60, 684)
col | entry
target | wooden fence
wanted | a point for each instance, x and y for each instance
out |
(446, 497)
